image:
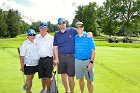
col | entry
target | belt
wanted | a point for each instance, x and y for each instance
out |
(85, 59)
(45, 57)
(66, 54)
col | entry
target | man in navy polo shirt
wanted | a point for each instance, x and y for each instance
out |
(84, 58)
(64, 54)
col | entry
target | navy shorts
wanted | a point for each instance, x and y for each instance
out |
(45, 67)
(66, 64)
(28, 70)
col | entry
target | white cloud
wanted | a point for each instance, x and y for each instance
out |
(47, 10)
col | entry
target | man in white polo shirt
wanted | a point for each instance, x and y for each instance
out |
(45, 65)
(29, 58)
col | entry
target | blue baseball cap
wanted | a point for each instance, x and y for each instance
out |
(43, 24)
(31, 32)
(60, 20)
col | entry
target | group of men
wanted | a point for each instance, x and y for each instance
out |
(73, 50)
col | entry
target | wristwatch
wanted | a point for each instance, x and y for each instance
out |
(91, 61)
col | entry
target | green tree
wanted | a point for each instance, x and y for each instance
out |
(35, 25)
(13, 19)
(129, 10)
(50, 27)
(89, 18)
(23, 27)
(78, 16)
(87, 15)
(108, 17)
(56, 28)
(3, 25)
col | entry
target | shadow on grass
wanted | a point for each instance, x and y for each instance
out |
(128, 80)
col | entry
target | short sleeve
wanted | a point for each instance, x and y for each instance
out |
(23, 49)
(55, 43)
(91, 43)
(74, 31)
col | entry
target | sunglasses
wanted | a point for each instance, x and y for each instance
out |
(81, 26)
(62, 22)
(43, 27)
(32, 35)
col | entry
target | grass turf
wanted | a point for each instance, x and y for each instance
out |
(116, 71)
(116, 68)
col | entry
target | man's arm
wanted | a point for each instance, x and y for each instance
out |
(22, 63)
(56, 60)
(91, 62)
(92, 55)
(92, 47)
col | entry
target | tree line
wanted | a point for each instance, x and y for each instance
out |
(11, 24)
(114, 17)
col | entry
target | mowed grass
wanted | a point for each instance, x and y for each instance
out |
(117, 68)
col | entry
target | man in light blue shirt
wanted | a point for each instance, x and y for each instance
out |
(84, 58)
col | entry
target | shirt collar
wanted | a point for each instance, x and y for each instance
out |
(44, 36)
(84, 34)
(64, 32)
(30, 41)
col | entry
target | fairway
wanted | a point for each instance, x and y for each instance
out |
(116, 71)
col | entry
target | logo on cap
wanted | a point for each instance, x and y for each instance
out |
(31, 32)
(43, 24)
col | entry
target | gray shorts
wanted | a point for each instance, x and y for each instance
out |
(66, 64)
(81, 70)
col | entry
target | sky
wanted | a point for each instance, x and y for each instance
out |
(45, 10)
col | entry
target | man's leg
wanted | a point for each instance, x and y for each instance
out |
(82, 85)
(90, 86)
(48, 83)
(29, 82)
(65, 81)
(43, 80)
(71, 84)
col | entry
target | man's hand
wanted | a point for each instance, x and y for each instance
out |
(89, 34)
(56, 61)
(90, 66)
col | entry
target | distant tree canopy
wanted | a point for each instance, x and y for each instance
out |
(51, 27)
(11, 24)
(115, 17)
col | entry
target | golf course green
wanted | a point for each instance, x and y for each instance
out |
(116, 67)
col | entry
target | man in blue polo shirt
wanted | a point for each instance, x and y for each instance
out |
(64, 49)
(84, 58)
(64, 54)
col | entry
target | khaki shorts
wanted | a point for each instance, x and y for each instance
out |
(81, 70)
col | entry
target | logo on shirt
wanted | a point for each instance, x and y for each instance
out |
(70, 36)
